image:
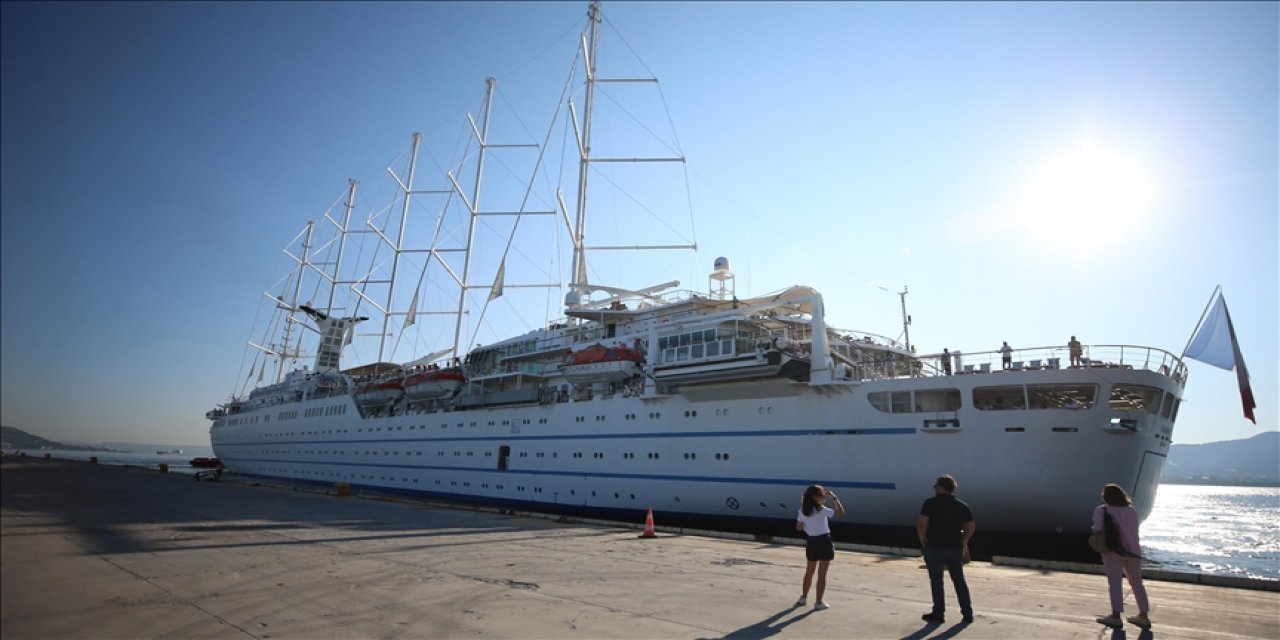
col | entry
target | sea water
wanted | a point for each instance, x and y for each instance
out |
(178, 462)
(1232, 531)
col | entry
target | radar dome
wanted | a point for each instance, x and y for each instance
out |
(572, 299)
(722, 264)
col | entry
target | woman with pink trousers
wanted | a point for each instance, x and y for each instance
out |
(1125, 557)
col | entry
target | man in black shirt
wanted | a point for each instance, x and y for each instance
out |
(944, 528)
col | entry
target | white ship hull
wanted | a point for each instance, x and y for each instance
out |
(746, 454)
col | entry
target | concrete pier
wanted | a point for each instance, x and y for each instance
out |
(93, 551)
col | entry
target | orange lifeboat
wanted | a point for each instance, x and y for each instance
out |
(433, 383)
(379, 393)
(598, 363)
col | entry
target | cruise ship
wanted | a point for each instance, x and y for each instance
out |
(699, 404)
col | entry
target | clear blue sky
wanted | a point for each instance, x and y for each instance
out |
(1030, 170)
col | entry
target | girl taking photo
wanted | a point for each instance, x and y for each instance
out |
(819, 550)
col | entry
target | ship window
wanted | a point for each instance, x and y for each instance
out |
(1135, 398)
(901, 401)
(1063, 396)
(879, 400)
(933, 400)
(1168, 405)
(713, 349)
(697, 351)
(998, 398)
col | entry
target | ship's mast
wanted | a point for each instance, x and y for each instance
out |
(590, 45)
(342, 242)
(482, 135)
(293, 302)
(584, 148)
(399, 245)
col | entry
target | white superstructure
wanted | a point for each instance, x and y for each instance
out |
(737, 405)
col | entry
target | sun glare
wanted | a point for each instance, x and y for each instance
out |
(1088, 196)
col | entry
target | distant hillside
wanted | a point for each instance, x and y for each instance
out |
(1252, 461)
(15, 438)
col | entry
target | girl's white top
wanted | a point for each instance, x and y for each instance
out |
(816, 524)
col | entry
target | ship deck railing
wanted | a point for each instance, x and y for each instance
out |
(1101, 356)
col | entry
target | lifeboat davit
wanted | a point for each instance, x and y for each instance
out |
(599, 363)
(379, 393)
(433, 383)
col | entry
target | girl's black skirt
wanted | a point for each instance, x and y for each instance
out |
(819, 548)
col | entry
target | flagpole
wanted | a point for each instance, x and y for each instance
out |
(1216, 291)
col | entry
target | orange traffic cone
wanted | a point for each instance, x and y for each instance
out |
(648, 525)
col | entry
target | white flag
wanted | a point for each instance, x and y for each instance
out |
(1212, 342)
(1215, 343)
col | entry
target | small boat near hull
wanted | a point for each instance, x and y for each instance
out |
(599, 363)
(205, 462)
(433, 384)
(763, 365)
(379, 393)
(592, 372)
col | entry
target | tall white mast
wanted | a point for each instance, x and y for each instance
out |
(584, 148)
(482, 135)
(399, 245)
(590, 45)
(294, 302)
(342, 242)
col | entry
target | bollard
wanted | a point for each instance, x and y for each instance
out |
(93, 459)
(164, 467)
(344, 489)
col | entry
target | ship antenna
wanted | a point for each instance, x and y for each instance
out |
(906, 319)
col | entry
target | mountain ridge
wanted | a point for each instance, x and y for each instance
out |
(1249, 461)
